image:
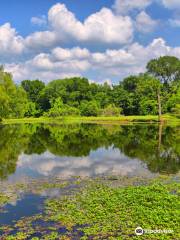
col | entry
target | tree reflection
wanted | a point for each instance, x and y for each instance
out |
(157, 146)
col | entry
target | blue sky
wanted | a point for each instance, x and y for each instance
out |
(103, 40)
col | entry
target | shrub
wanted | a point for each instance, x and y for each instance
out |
(176, 110)
(111, 110)
(89, 108)
(59, 109)
(148, 107)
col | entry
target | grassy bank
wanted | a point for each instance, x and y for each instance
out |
(109, 208)
(120, 119)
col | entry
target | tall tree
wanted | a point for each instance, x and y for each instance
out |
(13, 99)
(166, 69)
(33, 89)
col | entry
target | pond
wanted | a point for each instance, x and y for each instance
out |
(40, 154)
(37, 150)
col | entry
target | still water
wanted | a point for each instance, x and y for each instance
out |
(38, 150)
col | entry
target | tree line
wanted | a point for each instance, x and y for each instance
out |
(157, 91)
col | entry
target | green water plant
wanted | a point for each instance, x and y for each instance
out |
(114, 213)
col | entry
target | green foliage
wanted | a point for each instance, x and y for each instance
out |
(18, 236)
(13, 99)
(116, 212)
(90, 108)
(100, 209)
(137, 95)
(111, 110)
(166, 68)
(134, 95)
(33, 89)
(31, 110)
(176, 109)
(148, 107)
(60, 109)
(3, 199)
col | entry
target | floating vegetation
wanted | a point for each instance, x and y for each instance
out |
(99, 209)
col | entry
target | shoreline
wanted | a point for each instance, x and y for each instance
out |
(166, 119)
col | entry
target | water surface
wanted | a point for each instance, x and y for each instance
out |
(42, 152)
(38, 150)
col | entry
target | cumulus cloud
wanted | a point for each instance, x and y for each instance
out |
(40, 40)
(125, 6)
(27, 70)
(43, 55)
(59, 63)
(144, 23)
(117, 63)
(10, 42)
(102, 26)
(74, 53)
(47, 62)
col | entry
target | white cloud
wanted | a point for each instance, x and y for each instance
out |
(112, 63)
(40, 40)
(74, 53)
(42, 55)
(103, 26)
(125, 6)
(48, 62)
(10, 42)
(18, 70)
(59, 63)
(42, 62)
(144, 23)
(171, 4)
(40, 21)
(27, 70)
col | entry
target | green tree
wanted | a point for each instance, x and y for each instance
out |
(13, 99)
(176, 109)
(90, 108)
(72, 91)
(111, 110)
(31, 110)
(60, 109)
(18, 103)
(166, 69)
(148, 107)
(146, 94)
(33, 89)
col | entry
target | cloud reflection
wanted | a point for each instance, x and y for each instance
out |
(100, 162)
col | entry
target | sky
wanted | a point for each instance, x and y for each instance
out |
(104, 40)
